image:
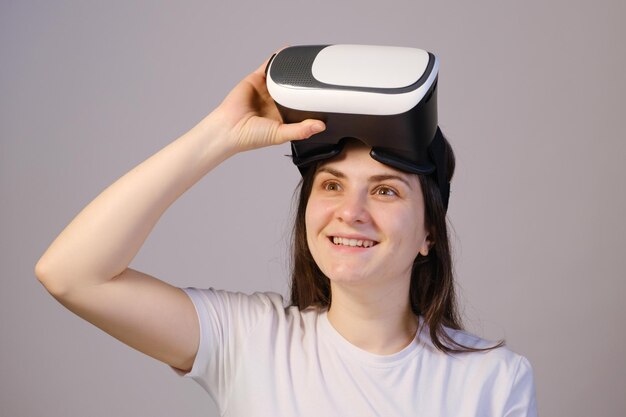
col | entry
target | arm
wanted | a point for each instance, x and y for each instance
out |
(86, 267)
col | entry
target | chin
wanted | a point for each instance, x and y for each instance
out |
(346, 275)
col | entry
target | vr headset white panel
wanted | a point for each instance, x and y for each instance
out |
(356, 79)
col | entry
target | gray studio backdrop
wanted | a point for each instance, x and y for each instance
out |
(531, 96)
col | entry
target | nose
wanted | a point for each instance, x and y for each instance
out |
(353, 208)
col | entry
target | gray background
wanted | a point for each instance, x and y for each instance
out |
(531, 96)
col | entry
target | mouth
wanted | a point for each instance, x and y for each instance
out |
(356, 243)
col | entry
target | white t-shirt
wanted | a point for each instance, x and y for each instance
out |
(258, 358)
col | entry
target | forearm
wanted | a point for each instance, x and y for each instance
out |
(107, 234)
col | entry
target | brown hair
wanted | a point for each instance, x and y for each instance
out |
(432, 294)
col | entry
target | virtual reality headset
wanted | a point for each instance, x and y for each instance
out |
(385, 96)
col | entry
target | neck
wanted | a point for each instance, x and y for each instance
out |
(376, 321)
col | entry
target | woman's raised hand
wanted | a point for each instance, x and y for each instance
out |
(251, 119)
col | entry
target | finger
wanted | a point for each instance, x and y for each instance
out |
(261, 69)
(297, 131)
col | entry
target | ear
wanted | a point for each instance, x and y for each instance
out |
(426, 245)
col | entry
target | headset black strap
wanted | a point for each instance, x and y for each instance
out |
(437, 151)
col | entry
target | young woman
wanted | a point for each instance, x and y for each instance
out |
(372, 328)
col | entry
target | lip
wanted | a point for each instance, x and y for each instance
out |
(350, 236)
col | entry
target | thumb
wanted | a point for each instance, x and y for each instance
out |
(297, 131)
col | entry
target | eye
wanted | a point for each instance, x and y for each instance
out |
(385, 191)
(331, 186)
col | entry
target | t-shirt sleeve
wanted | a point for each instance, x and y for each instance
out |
(522, 398)
(226, 318)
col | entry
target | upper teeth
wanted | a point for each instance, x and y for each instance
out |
(352, 242)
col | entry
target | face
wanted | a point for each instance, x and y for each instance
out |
(365, 220)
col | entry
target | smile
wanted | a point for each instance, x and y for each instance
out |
(362, 243)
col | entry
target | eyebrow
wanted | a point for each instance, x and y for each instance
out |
(373, 178)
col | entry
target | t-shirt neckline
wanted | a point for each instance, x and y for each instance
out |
(373, 359)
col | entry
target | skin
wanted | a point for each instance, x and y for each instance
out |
(356, 197)
(86, 268)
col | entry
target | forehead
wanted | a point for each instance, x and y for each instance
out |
(355, 161)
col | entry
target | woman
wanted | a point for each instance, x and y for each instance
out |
(372, 329)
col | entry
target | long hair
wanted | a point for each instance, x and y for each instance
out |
(432, 292)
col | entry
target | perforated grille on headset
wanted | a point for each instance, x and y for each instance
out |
(293, 66)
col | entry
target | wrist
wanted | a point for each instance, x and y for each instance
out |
(214, 132)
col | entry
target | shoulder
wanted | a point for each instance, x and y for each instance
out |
(505, 374)
(495, 361)
(245, 307)
(233, 306)
(512, 370)
(231, 299)
(509, 374)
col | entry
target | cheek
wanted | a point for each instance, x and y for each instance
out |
(308, 227)
(315, 215)
(311, 222)
(410, 229)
